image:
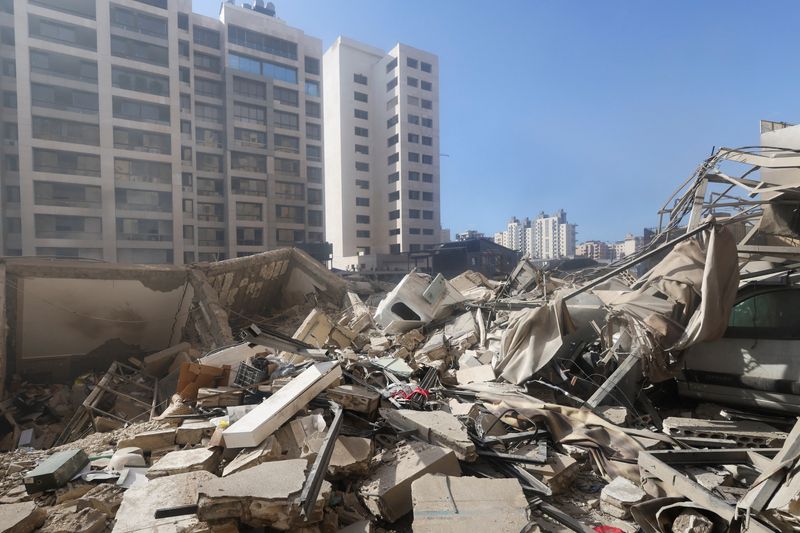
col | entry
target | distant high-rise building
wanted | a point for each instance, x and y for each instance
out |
(381, 151)
(597, 250)
(553, 236)
(138, 131)
(469, 234)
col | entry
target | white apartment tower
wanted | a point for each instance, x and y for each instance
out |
(553, 237)
(138, 131)
(381, 151)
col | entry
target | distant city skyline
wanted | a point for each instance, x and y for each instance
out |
(587, 106)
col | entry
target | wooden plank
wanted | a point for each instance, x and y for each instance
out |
(261, 422)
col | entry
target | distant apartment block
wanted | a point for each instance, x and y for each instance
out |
(546, 237)
(469, 234)
(382, 178)
(597, 250)
(138, 131)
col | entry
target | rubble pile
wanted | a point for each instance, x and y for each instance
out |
(545, 401)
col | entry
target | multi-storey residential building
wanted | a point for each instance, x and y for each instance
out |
(553, 236)
(597, 250)
(469, 234)
(381, 152)
(138, 131)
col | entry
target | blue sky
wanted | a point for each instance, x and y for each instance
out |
(600, 108)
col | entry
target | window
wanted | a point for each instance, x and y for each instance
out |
(362, 233)
(210, 237)
(394, 176)
(362, 219)
(206, 87)
(413, 100)
(360, 97)
(394, 196)
(60, 162)
(188, 206)
(314, 218)
(391, 103)
(183, 21)
(285, 96)
(11, 163)
(249, 186)
(427, 104)
(391, 65)
(10, 99)
(394, 231)
(207, 112)
(427, 215)
(361, 166)
(60, 65)
(314, 174)
(427, 196)
(140, 51)
(360, 113)
(290, 213)
(413, 213)
(313, 152)
(312, 65)
(7, 36)
(412, 81)
(426, 85)
(139, 22)
(394, 249)
(10, 69)
(207, 62)
(141, 171)
(413, 138)
(394, 215)
(413, 247)
(248, 162)
(394, 139)
(183, 48)
(314, 198)
(362, 202)
(264, 43)
(289, 121)
(427, 178)
(411, 62)
(187, 181)
(313, 131)
(205, 37)
(250, 88)
(55, 129)
(249, 113)
(285, 143)
(140, 111)
(391, 84)
(289, 235)
(209, 162)
(249, 236)
(360, 79)
(60, 32)
(392, 121)
(248, 211)
(361, 132)
(313, 109)
(426, 67)
(209, 187)
(413, 195)
(392, 159)
(427, 141)
(265, 68)
(362, 149)
(413, 119)
(413, 157)
(312, 88)
(186, 103)
(183, 75)
(413, 231)
(256, 139)
(427, 159)
(289, 167)
(427, 122)
(10, 131)
(413, 176)
(427, 231)
(362, 184)
(768, 315)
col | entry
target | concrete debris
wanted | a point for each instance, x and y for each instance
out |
(21, 517)
(150, 440)
(692, 522)
(269, 450)
(468, 504)
(192, 433)
(68, 519)
(355, 398)
(351, 457)
(183, 461)
(435, 427)
(104, 497)
(617, 497)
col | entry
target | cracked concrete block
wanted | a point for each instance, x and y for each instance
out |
(183, 461)
(355, 398)
(468, 359)
(269, 450)
(477, 374)
(192, 433)
(387, 492)
(315, 329)
(150, 440)
(21, 517)
(248, 497)
(350, 457)
(66, 519)
(137, 511)
(444, 504)
(435, 427)
(617, 497)
(692, 522)
(615, 414)
(104, 497)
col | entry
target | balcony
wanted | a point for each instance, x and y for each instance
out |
(213, 242)
(144, 207)
(153, 237)
(75, 235)
(60, 202)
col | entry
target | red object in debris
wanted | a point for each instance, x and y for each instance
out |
(410, 394)
(607, 529)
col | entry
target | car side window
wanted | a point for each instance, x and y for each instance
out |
(767, 315)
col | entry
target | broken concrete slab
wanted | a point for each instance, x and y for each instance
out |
(613, 413)
(475, 374)
(462, 333)
(690, 521)
(444, 504)
(433, 350)
(137, 511)
(104, 497)
(387, 492)
(247, 497)
(434, 427)
(271, 414)
(192, 433)
(468, 359)
(558, 473)
(315, 329)
(355, 398)
(746, 433)
(617, 497)
(150, 440)
(269, 450)
(157, 364)
(362, 526)
(21, 517)
(183, 461)
(66, 519)
(351, 457)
